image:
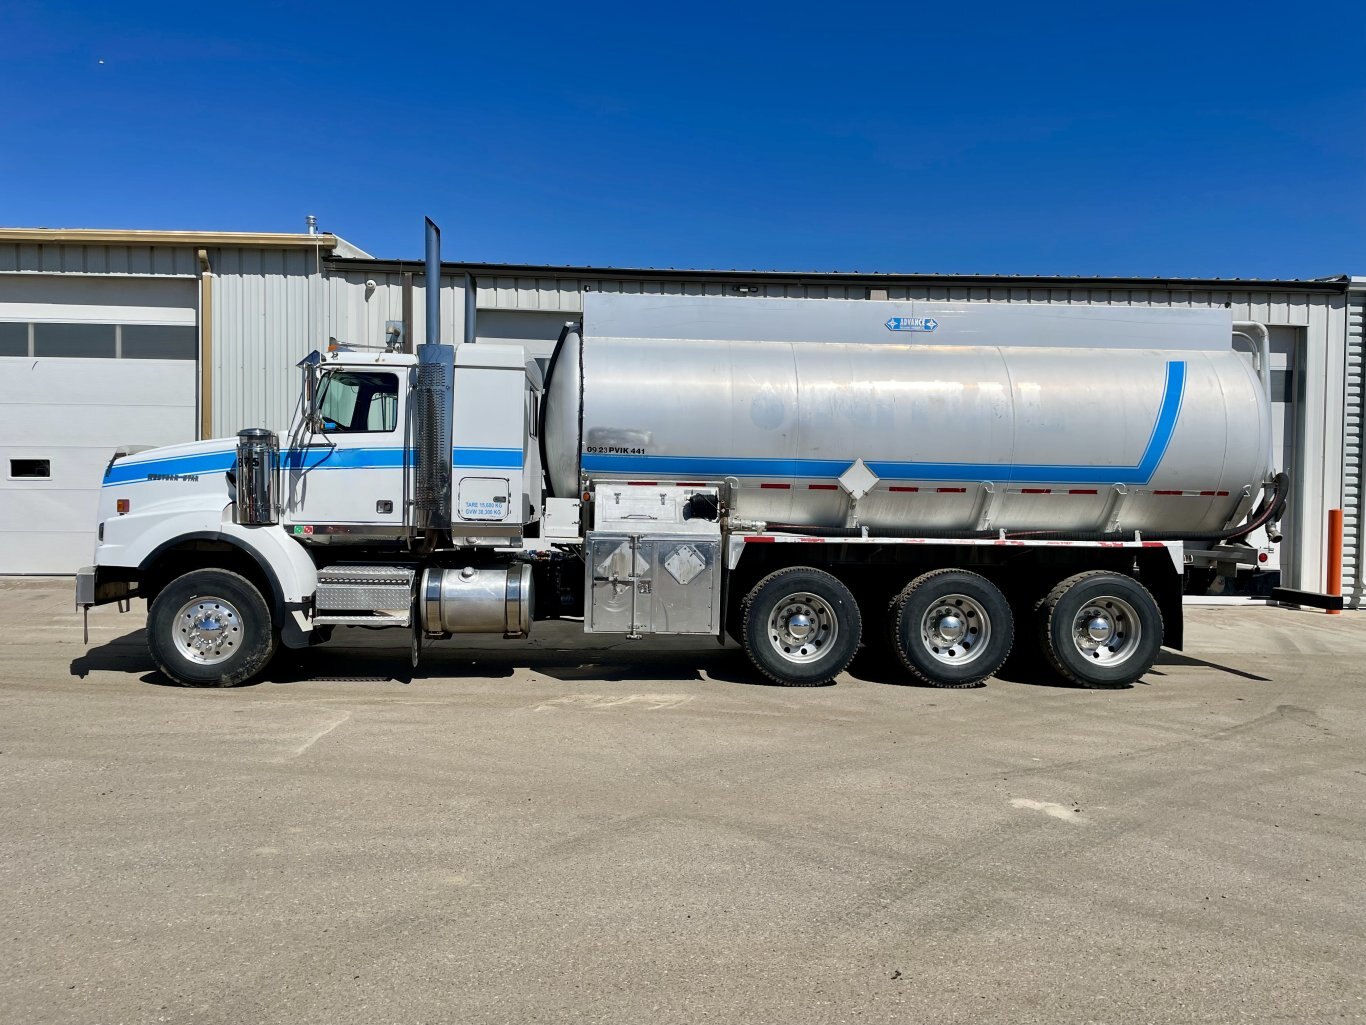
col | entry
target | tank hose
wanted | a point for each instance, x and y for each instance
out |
(1268, 510)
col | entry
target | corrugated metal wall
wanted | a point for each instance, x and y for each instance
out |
(102, 259)
(272, 307)
(1354, 410)
(267, 315)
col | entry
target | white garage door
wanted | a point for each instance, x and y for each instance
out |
(86, 365)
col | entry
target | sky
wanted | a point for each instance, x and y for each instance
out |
(1152, 139)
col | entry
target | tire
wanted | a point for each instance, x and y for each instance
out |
(219, 614)
(1122, 644)
(952, 628)
(801, 627)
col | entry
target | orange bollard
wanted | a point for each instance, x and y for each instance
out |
(1334, 555)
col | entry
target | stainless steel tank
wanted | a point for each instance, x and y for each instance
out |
(968, 415)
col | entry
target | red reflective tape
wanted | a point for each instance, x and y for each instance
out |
(1154, 544)
(1221, 494)
(690, 484)
(1166, 492)
(642, 483)
(951, 491)
(1082, 491)
(822, 487)
(1036, 491)
(902, 489)
(756, 538)
(775, 487)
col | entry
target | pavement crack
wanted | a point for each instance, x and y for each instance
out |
(302, 748)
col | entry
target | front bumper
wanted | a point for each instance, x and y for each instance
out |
(95, 585)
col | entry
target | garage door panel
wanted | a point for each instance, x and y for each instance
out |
(46, 551)
(46, 530)
(70, 469)
(60, 509)
(77, 294)
(109, 425)
(93, 382)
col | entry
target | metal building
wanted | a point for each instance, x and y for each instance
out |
(259, 303)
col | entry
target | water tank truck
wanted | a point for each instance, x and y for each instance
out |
(945, 481)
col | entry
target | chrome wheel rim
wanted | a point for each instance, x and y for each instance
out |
(802, 627)
(207, 630)
(1106, 631)
(955, 630)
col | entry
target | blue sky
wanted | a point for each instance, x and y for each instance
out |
(1138, 139)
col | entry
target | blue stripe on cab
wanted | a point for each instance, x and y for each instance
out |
(485, 458)
(324, 457)
(312, 457)
(203, 462)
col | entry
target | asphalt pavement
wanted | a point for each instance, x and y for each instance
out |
(602, 831)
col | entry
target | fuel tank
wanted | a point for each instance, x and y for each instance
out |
(949, 416)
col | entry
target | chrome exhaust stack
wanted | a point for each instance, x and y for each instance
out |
(258, 469)
(433, 393)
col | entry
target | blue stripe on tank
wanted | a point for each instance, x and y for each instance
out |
(714, 467)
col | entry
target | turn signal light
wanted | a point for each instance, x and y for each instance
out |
(122, 505)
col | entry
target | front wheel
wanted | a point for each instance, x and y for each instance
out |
(210, 628)
(1101, 629)
(801, 626)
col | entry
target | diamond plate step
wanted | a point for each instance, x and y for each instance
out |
(367, 589)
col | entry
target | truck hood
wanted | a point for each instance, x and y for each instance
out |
(173, 463)
(142, 489)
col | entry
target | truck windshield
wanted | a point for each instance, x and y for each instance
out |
(358, 401)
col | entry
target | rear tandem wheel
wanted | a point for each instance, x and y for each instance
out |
(1101, 629)
(800, 626)
(951, 628)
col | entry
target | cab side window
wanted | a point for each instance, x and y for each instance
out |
(359, 402)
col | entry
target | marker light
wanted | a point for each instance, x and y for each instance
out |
(122, 505)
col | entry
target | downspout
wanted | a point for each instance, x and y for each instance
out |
(1260, 337)
(205, 346)
(471, 308)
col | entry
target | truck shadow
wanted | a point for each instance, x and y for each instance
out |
(608, 662)
(389, 663)
(1175, 658)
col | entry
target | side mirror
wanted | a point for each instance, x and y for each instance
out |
(310, 366)
(310, 399)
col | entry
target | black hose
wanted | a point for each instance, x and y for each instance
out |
(1268, 510)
